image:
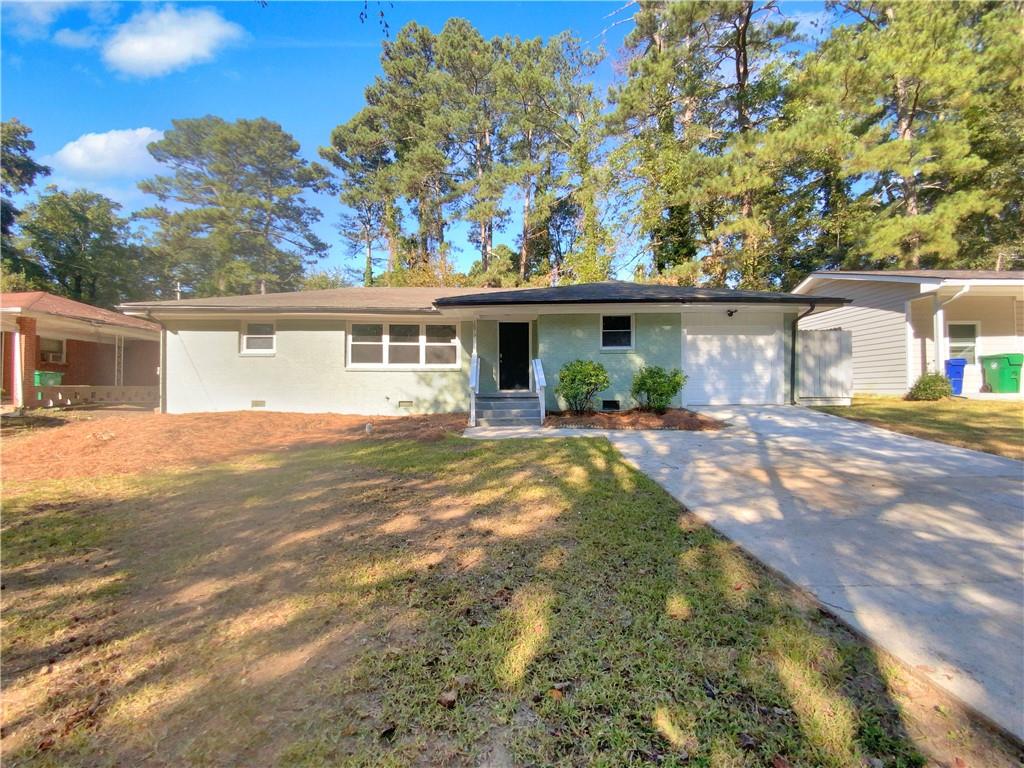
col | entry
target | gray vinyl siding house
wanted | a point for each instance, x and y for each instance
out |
(896, 316)
(392, 351)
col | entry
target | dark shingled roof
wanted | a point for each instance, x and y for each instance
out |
(428, 300)
(631, 293)
(926, 274)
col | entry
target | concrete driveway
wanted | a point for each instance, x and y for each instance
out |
(918, 545)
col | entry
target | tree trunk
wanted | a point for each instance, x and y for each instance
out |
(488, 244)
(750, 244)
(368, 270)
(524, 247)
(390, 234)
(906, 109)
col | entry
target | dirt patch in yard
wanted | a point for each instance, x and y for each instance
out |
(113, 445)
(674, 418)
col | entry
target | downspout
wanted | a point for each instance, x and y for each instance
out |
(939, 331)
(163, 361)
(792, 353)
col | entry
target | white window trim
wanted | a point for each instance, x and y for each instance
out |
(63, 350)
(977, 338)
(242, 336)
(423, 344)
(632, 331)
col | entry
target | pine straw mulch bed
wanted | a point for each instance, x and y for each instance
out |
(136, 443)
(673, 418)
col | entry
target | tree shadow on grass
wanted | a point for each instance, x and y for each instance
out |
(308, 607)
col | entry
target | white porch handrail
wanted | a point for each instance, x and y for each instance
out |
(474, 387)
(539, 382)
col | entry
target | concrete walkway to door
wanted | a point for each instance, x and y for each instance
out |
(918, 545)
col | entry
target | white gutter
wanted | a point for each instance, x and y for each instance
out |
(940, 326)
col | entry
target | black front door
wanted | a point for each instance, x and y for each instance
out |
(513, 355)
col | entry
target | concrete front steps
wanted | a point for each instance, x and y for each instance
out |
(508, 409)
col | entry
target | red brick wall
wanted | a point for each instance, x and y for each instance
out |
(141, 359)
(88, 362)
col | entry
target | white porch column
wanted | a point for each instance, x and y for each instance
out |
(940, 335)
(119, 361)
(17, 370)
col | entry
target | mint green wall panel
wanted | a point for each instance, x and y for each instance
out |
(487, 350)
(563, 338)
(307, 373)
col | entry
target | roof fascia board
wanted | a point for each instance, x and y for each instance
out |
(568, 308)
(928, 283)
(163, 311)
(84, 330)
(418, 317)
(462, 311)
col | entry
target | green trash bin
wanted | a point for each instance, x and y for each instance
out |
(1002, 372)
(48, 378)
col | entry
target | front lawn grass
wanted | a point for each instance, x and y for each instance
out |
(984, 425)
(310, 608)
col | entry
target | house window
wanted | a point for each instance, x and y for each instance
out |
(366, 342)
(616, 332)
(51, 350)
(258, 339)
(441, 345)
(403, 345)
(963, 341)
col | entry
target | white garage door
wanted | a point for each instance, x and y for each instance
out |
(733, 365)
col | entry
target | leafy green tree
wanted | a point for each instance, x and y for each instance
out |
(18, 173)
(547, 97)
(898, 93)
(232, 216)
(86, 249)
(470, 69)
(361, 154)
(331, 277)
(705, 84)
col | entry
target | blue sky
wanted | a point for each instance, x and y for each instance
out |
(97, 81)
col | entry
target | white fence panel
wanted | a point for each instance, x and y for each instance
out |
(825, 367)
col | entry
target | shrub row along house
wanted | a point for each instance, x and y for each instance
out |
(491, 352)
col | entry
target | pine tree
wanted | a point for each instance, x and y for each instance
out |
(238, 219)
(911, 79)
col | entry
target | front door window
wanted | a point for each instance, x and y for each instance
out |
(513, 356)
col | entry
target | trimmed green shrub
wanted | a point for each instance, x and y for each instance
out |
(654, 387)
(930, 386)
(579, 381)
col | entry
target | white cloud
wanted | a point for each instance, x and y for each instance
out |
(111, 154)
(77, 38)
(32, 20)
(155, 42)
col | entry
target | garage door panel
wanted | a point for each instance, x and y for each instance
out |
(733, 365)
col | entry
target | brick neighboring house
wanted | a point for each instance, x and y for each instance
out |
(103, 356)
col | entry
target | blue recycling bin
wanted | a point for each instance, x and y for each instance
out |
(955, 373)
